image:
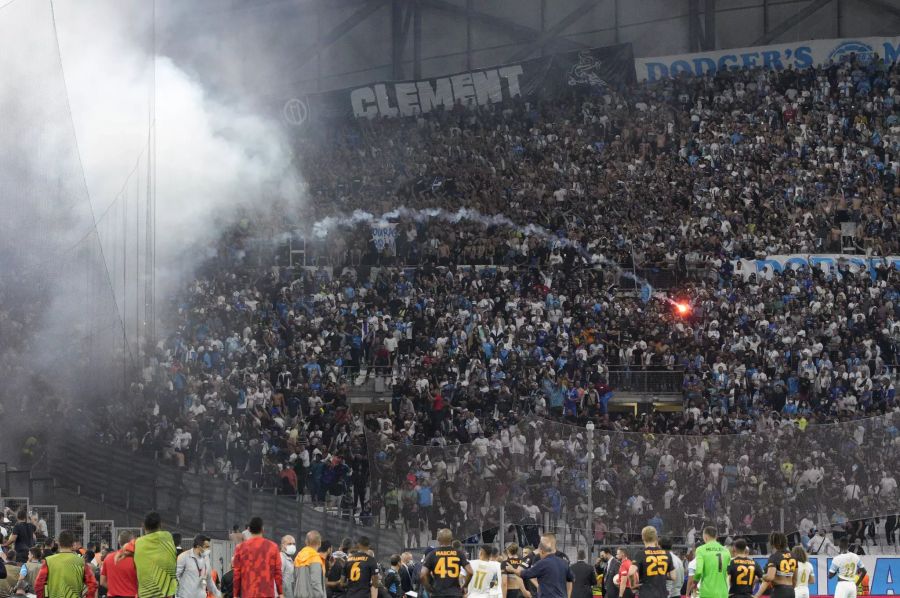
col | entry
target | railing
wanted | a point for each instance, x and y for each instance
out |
(320, 254)
(204, 503)
(648, 381)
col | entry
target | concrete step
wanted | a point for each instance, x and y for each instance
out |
(646, 397)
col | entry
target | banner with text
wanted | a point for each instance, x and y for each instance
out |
(823, 261)
(798, 55)
(540, 78)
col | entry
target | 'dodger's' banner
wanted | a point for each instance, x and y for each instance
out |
(798, 55)
(539, 78)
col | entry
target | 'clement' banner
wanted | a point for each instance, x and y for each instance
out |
(798, 55)
(539, 78)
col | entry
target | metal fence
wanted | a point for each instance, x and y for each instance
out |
(194, 502)
(14, 503)
(102, 531)
(646, 381)
(135, 532)
(75, 523)
(47, 514)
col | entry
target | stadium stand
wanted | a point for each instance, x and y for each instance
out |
(682, 178)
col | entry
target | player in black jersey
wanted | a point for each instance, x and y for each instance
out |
(743, 572)
(361, 572)
(513, 559)
(781, 570)
(442, 568)
(515, 585)
(652, 567)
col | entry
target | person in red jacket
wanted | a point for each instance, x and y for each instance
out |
(257, 566)
(65, 573)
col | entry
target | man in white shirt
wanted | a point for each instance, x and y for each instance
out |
(852, 491)
(888, 485)
(847, 565)
(481, 446)
(194, 571)
(517, 448)
(807, 526)
(821, 544)
(673, 585)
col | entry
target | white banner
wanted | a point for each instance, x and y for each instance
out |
(384, 234)
(823, 261)
(799, 55)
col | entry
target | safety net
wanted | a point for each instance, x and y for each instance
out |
(60, 331)
(536, 472)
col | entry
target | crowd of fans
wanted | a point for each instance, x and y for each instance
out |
(490, 366)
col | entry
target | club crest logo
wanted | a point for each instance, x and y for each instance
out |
(588, 71)
(296, 111)
(864, 52)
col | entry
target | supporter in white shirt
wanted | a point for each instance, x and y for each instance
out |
(821, 544)
(481, 446)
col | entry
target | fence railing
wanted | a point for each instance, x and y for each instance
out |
(321, 254)
(203, 503)
(647, 381)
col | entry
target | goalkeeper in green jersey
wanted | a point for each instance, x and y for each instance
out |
(712, 566)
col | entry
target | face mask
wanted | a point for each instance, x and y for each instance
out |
(206, 552)
(290, 549)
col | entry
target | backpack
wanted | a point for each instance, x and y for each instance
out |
(392, 582)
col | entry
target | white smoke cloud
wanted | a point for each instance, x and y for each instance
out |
(211, 156)
(59, 321)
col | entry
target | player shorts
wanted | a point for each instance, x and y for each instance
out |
(845, 589)
(801, 592)
(783, 592)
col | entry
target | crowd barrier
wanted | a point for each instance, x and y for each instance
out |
(196, 502)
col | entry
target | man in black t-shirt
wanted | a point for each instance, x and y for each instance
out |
(652, 567)
(743, 572)
(361, 572)
(442, 567)
(22, 536)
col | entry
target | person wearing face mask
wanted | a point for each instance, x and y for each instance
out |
(194, 571)
(288, 552)
(309, 573)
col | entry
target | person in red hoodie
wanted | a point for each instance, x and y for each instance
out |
(65, 573)
(257, 566)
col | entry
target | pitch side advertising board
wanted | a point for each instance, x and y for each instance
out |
(884, 575)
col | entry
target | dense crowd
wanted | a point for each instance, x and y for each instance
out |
(255, 379)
